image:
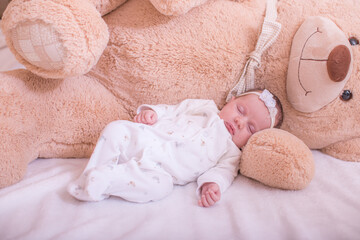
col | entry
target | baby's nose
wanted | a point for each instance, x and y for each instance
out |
(240, 122)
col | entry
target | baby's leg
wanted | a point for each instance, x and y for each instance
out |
(137, 184)
(128, 181)
(116, 137)
(120, 166)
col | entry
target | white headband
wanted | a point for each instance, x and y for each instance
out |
(269, 102)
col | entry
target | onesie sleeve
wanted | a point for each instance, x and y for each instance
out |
(223, 173)
(161, 109)
(184, 106)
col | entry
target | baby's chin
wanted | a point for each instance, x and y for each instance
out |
(239, 145)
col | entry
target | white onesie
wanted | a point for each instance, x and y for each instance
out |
(141, 163)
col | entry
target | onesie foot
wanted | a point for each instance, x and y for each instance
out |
(96, 185)
(90, 186)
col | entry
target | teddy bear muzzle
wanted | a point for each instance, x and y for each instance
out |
(320, 65)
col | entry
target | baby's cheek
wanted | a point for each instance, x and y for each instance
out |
(243, 139)
(237, 142)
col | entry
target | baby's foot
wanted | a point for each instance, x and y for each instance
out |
(78, 192)
(96, 184)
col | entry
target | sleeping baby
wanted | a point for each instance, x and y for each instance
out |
(141, 161)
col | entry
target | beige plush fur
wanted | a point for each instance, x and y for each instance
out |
(154, 58)
(176, 7)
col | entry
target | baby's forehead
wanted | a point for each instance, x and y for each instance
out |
(251, 101)
(248, 97)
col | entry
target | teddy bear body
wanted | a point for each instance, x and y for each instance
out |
(153, 58)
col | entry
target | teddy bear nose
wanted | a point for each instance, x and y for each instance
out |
(338, 63)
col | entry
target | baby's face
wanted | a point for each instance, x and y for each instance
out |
(244, 116)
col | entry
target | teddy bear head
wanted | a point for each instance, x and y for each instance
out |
(314, 68)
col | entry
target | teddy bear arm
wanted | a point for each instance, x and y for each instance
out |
(176, 7)
(346, 150)
(277, 159)
(55, 39)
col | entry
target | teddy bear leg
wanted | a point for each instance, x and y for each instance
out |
(50, 118)
(17, 138)
(347, 150)
(14, 158)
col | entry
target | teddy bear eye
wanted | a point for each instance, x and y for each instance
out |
(346, 95)
(354, 41)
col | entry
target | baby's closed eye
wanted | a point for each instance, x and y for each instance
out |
(241, 110)
(251, 128)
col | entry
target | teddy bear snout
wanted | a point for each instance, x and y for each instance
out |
(320, 64)
(338, 63)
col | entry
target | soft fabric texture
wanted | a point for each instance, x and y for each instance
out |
(40, 208)
(155, 58)
(106, 6)
(176, 7)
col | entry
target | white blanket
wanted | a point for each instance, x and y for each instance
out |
(40, 208)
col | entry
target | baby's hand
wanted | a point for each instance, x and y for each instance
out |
(147, 116)
(210, 194)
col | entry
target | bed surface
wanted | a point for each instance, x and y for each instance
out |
(40, 208)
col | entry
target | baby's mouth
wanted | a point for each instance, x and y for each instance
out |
(230, 128)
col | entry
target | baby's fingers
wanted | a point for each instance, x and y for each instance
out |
(209, 198)
(204, 201)
(149, 118)
(214, 196)
(200, 203)
(137, 118)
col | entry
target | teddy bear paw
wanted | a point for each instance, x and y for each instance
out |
(55, 39)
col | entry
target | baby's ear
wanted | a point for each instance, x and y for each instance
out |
(176, 7)
(231, 99)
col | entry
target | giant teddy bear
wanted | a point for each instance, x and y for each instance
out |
(90, 62)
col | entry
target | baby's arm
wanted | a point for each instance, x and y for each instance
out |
(218, 177)
(210, 194)
(146, 116)
(170, 111)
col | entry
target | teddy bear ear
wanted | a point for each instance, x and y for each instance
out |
(320, 64)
